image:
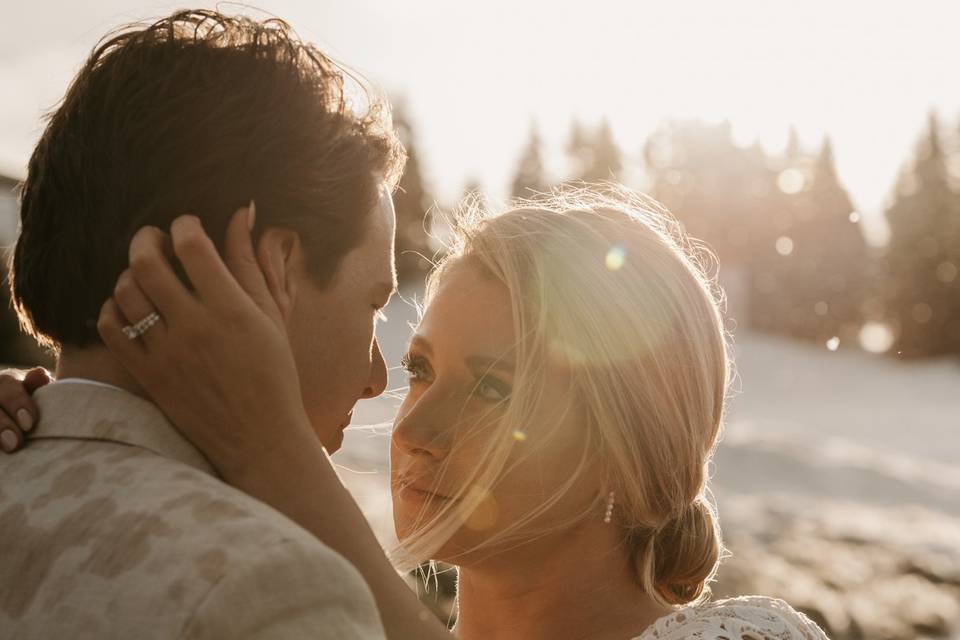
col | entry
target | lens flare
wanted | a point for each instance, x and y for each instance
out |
(486, 511)
(616, 257)
(784, 245)
(876, 337)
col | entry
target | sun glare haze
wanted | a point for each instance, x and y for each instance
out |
(813, 147)
(475, 76)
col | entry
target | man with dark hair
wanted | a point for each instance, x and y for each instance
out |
(111, 523)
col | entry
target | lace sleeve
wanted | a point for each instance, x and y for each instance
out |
(744, 618)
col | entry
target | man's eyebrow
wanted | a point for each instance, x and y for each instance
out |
(483, 363)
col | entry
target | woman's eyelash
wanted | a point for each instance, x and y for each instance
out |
(418, 371)
(502, 389)
(415, 366)
(379, 314)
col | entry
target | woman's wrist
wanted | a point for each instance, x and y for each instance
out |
(297, 478)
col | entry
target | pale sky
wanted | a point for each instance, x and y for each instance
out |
(474, 75)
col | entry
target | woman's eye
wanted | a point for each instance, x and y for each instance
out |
(416, 368)
(493, 390)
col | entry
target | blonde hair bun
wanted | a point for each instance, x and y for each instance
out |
(679, 559)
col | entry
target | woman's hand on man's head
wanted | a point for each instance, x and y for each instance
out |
(214, 356)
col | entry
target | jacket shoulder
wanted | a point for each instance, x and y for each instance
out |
(108, 537)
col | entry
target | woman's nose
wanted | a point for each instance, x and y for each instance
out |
(419, 429)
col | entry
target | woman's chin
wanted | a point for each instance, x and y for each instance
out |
(408, 517)
(403, 518)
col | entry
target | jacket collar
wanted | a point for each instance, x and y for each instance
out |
(77, 411)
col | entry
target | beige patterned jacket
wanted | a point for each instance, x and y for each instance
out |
(113, 526)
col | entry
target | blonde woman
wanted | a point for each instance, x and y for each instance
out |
(567, 389)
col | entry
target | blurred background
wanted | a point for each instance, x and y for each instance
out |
(814, 147)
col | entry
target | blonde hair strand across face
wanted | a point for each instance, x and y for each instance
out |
(604, 282)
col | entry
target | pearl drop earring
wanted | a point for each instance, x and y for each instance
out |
(609, 513)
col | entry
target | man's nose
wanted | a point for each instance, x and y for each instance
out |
(378, 372)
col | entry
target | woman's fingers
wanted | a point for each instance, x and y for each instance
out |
(208, 274)
(241, 259)
(151, 257)
(136, 307)
(110, 325)
(19, 413)
(16, 402)
(36, 378)
(11, 437)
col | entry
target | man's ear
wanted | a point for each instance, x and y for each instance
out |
(280, 257)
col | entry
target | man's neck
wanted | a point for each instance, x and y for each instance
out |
(95, 363)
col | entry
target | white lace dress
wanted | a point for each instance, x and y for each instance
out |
(743, 618)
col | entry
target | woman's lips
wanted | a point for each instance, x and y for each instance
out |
(411, 492)
(417, 491)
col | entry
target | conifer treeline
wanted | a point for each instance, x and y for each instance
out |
(918, 276)
(783, 226)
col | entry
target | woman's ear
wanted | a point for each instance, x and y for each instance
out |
(280, 257)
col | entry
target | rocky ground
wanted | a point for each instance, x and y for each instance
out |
(860, 572)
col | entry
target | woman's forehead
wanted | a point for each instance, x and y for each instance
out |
(471, 307)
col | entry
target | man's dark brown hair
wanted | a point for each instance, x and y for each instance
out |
(197, 113)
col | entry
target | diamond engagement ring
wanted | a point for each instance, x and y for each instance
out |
(134, 331)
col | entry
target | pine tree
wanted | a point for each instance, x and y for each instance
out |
(594, 154)
(793, 152)
(725, 196)
(578, 146)
(841, 256)
(412, 203)
(607, 159)
(923, 257)
(816, 270)
(530, 179)
(719, 191)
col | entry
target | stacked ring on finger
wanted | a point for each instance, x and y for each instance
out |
(134, 331)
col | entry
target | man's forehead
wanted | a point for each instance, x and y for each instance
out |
(380, 241)
(384, 208)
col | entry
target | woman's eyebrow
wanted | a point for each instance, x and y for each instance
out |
(484, 363)
(421, 343)
(475, 362)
